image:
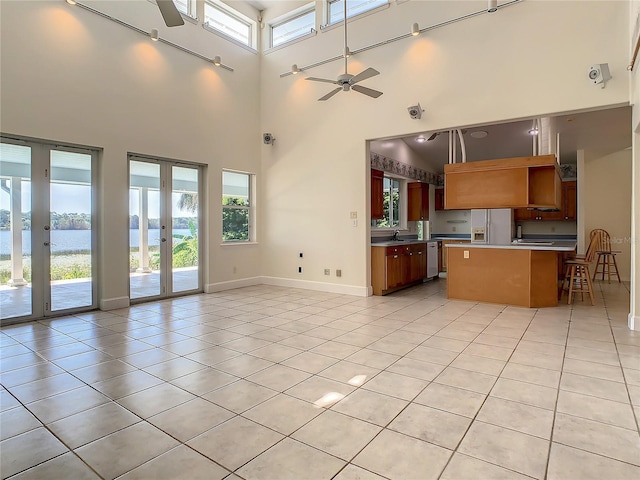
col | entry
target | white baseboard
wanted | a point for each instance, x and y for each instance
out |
(231, 284)
(114, 303)
(634, 322)
(318, 286)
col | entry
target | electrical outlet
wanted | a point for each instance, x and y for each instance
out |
(354, 215)
(553, 229)
(327, 271)
(465, 254)
(299, 269)
(354, 222)
(338, 273)
(453, 229)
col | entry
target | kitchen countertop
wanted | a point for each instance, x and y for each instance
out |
(399, 243)
(558, 246)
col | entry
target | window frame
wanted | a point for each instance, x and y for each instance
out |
(289, 17)
(191, 14)
(402, 205)
(251, 208)
(327, 13)
(236, 15)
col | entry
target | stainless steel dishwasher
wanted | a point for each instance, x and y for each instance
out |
(432, 259)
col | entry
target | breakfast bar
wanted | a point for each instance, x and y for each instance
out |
(521, 273)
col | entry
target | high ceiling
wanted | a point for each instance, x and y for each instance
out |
(599, 132)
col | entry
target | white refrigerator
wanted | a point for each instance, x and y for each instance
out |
(492, 226)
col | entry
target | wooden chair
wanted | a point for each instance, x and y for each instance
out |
(577, 274)
(606, 256)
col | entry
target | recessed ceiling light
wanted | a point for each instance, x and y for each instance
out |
(421, 139)
(479, 134)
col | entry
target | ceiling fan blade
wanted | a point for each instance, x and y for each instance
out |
(367, 91)
(170, 13)
(368, 73)
(330, 94)
(315, 79)
(433, 136)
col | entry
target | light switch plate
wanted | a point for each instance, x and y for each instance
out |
(354, 215)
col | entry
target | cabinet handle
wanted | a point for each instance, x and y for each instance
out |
(395, 256)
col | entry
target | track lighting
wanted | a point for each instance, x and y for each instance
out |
(294, 69)
(415, 29)
(492, 6)
(347, 52)
(154, 34)
(71, 2)
(533, 131)
(216, 61)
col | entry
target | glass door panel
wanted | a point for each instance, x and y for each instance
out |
(144, 230)
(185, 251)
(16, 293)
(70, 231)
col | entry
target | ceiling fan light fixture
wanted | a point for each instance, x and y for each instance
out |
(421, 139)
(154, 34)
(492, 6)
(294, 69)
(415, 29)
(216, 61)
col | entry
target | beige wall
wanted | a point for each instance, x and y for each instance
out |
(71, 76)
(634, 94)
(607, 203)
(472, 72)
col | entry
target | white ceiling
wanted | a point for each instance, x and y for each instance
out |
(600, 132)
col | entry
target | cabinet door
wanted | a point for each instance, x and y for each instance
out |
(417, 201)
(377, 194)
(569, 200)
(439, 198)
(394, 270)
(523, 214)
(422, 262)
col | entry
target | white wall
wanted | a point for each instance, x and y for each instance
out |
(476, 71)
(73, 77)
(607, 203)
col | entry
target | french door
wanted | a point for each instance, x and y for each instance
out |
(47, 237)
(164, 226)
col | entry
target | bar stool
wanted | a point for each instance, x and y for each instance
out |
(577, 275)
(606, 256)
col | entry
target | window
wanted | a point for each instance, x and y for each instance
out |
(293, 27)
(229, 22)
(237, 204)
(186, 7)
(391, 196)
(354, 7)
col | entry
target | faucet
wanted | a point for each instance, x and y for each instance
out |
(395, 235)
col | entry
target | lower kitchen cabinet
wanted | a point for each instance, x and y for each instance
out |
(396, 267)
(443, 253)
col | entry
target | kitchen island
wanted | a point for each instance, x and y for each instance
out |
(523, 274)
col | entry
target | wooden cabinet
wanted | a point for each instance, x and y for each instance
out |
(439, 198)
(377, 194)
(570, 200)
(417, 201)
(521, 182)
(566, 212)
(396, 267)
(443, 262)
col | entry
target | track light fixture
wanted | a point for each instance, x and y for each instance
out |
(216, 61)
(347, 52)
(294, 69)
(492, 6)
(71, 2)
(415, 29)
(154, 34)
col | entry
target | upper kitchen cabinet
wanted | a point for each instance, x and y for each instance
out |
(418, 201)
(439, 198)
(568, 211)
(522, 182)
(377, 194)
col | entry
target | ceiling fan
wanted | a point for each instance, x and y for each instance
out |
(346, 81)
(170, 13)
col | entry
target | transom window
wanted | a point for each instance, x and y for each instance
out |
(294, 27)
(186, 7)
(237, 205)
(391, 204)
(229, 22)
(354, 7)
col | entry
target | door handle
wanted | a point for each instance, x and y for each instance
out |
(46, 244)
(163, 239)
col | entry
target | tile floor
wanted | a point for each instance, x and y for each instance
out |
(275, 383)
